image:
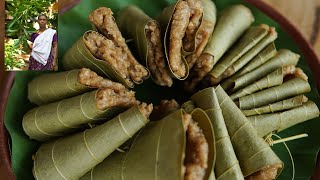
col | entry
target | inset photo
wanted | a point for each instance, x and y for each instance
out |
(31, 38)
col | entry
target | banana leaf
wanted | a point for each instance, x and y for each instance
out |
(158, 149)
(55, 86)
(72, 156)
(231, 24)
(278, 106)
(246, 42)
(273, 79)
(266, 54)
(253, 153)
(283, 57)
(227, 165)
(280, 121)
(288, 89)
(132, 22)
(78, 56)
(59, 118)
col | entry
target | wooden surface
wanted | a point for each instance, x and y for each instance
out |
(304, 14)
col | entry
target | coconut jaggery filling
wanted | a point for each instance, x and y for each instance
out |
(156, 59)
(107, 98)
(291, 71)
(145, 109)
(268, 173)
(196, 12)
(103, 20)
(180, 20)
(202, 67)
(90, 78)
(186, 21)
(197, 150)
(202, 39)
(105, 49)
(164, 108)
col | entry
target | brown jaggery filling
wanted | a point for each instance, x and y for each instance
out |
(202, 67)
(196, 12)
(197, 150)
(202, 39)
(156, 60)
(105, 49)
(145, 109)
(90, 78)
(180, 20)
(107, 98)
(291, 71)
(268, 173)
(103, 20)
(164, 108)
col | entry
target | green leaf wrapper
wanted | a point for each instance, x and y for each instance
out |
(269, 38)
(209, 11)
(277, 122)
(283, 57)
(231, 24)
(52, 87)
(65, 116)
(227, 166)
(266, 54)
(290, 88)
(252, 151)
(273, 79)
(157, 152)
(188, 106)
(132, 22)
(78, 56)
(250, 38)
(164, 20)
(71, 157)
(278, 106)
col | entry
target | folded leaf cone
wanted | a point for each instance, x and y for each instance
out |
(266, 54)
(209, 11)
(250, 38)
(253, 153)
(72, 156)
(227, 165)
(79, 56)
(279, 121)
(65, 116)
(167, 21)
(188, 106)
(278, 106)
(290, 88)
(273, 79)
(55, 86)
(157, 152)
(145, 32)
(264, 43)
(283, 57)
(231, 24)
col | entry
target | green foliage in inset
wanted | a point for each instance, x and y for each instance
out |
(24, 13)
(10, 55)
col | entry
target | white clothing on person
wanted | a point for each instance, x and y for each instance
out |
(42, 46)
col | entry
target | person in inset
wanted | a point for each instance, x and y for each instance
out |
(44, 47)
